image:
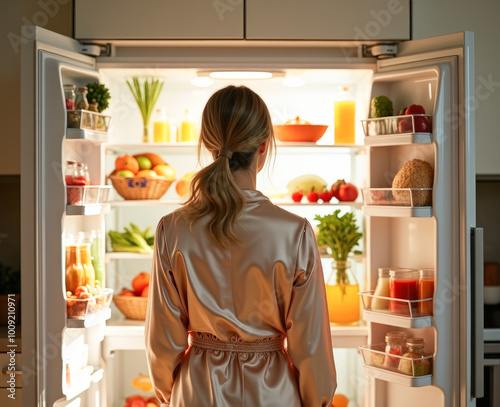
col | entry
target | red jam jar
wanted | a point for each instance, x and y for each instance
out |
(403, 284)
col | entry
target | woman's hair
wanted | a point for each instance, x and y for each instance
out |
(235, 122)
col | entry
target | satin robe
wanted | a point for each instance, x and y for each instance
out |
(269, 285)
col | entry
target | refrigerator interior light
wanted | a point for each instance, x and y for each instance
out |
(241, 75)
(293, 82)
(202, 81)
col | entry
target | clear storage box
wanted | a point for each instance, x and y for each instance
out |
(87, 120)
(81, 308)
(410, 123)
(397, 196)
(87, 195)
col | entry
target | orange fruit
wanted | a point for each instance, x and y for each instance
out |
(339, 400)
(127, 162)
(145, 291)
(182, 186)
(166, 170)
(140, 282)
(126, 293)
(142, 382)
(146, 173)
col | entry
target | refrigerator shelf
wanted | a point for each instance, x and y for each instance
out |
(87, 210)
(110, 256)
(398, 378)
(394, 125)
(90, 320)
(405, 313)
(397, 197)
(87, 120)
(83, 134)
(84, 195)
(398, 211)
(398, 139)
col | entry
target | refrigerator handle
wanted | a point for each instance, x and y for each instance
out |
(477, 280)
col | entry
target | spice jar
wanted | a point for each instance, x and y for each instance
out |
(415, 362)
(425, 290)
(394, 345)
(69, 95)
(402, 285)
(81, 98)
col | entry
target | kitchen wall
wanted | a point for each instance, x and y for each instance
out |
(431, 18)
(55, 15)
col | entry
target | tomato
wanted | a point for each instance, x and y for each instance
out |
(312, 196)
(135, 401)
(127, 162)
(326, 196)
(348, 192)
(422, 125)
(335, 187)
(297, 196)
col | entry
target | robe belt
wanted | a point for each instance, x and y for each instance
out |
(212, 343)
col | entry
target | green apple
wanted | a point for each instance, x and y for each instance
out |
(125, 173)
(144, 162)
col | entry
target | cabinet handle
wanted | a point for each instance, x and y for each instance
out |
(477, 314)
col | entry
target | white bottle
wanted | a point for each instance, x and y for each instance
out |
(382, 290)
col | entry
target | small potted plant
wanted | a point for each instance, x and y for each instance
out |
(10, 283)
(341, 235)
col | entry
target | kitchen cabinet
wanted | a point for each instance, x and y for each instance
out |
(238, 19)
(158, 19)
(362, 20)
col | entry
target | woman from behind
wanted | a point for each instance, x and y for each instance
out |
(237, 312)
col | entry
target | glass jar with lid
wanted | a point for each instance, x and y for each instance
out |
(81, 98)
(414, 361)
(425, 291)
(69, 96)
(402, 285)
(394, 347)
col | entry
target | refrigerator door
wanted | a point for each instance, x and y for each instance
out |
(437, 73)
(48, 61)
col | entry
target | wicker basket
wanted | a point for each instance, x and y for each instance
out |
(140, 187)
(132, 307)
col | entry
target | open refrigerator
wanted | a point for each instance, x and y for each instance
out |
(91, 361)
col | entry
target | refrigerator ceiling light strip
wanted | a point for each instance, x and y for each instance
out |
(202, 81)
(241, 75)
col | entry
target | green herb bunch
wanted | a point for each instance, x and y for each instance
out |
(341, 235)
(10, 280)
(99, 93)
(146, 94)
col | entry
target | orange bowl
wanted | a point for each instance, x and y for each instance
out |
(302, 133)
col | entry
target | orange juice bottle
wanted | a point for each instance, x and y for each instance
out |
(344, 117)
(188, 130)
(161, 127)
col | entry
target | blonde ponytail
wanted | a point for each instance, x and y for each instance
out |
(235, 122)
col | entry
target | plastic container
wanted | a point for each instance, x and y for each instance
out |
(410, 197)
(87, 195)
(416, 123)
(344, 117)
(425, 291)
(84, 119)
(161, 127)
(81, 308)
(403, 285)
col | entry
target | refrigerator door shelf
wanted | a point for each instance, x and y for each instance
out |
(398, 212)
(91, 320)
(395, 125)
(398, 139)
(82, 381)
(398, 378)
(406, 315)
(87, 210)
(83, 134)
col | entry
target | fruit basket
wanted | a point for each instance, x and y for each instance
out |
(409, 123)
(131, 306)
(410, 197)
(140, 187)
(81, 308)
(87, 195)
(375, 355)
(87, 120)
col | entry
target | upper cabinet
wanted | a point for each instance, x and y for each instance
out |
(362, 20)
(358, 20)
(158, 19)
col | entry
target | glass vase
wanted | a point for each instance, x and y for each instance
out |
(342, 293)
